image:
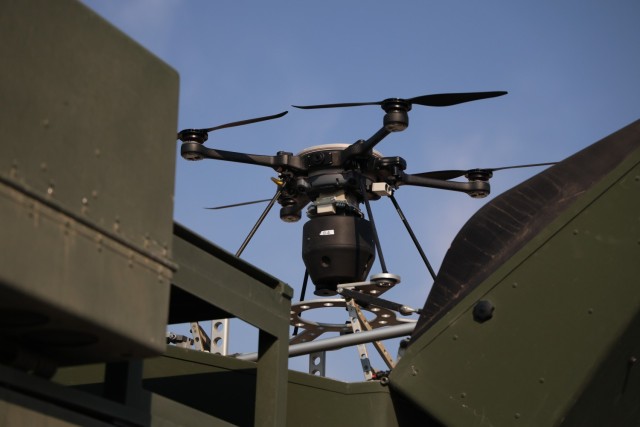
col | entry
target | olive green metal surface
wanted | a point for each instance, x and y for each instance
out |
(225, 388)
(94, 269)
(86, 185)
(561, 346)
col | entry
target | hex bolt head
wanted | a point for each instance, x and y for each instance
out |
(483, 311)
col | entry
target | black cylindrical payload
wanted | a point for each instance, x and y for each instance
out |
(337, 249)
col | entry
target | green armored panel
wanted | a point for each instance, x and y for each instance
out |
(225, 388)
(535, 315)
(87, 164)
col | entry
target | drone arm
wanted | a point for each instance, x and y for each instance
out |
(362, 147)
(375, 139)
(473, 188)
(196, 151)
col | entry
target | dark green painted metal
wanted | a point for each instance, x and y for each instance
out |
(237, 288)
(86, 183)
(240, 289)
(26, 400)
(225, 388)
(91, 115)
(42, 399)
(558, 347)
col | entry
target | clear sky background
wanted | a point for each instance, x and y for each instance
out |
(571, 67)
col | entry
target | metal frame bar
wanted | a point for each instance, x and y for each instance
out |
(343, 341)
(246, 292)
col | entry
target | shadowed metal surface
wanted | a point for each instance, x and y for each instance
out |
(508, 222)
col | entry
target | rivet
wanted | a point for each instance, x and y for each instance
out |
(517, 415)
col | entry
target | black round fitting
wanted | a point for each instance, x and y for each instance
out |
(483, 311)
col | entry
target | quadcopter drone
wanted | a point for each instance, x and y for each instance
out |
(333, 181)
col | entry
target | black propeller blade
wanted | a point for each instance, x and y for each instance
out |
(188, 134)
(246, 122)
(451, 174)
(435, 100)
(239, 204)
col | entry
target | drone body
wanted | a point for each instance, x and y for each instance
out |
(339, 243)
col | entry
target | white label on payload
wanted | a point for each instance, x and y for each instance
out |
(327, 233)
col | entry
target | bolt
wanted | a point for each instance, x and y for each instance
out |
(483, 311)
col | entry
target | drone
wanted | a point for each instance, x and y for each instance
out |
(333, 181)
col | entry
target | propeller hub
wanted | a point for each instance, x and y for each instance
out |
(395, 104)
(479, 175)
(396, 119)
(193, 135)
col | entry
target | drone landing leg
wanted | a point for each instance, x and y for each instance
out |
(302, 293)
(383, 265)
(255, 227)
(413, 236)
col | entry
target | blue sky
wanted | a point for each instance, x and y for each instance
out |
(572, 70)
